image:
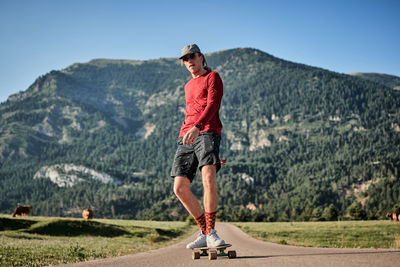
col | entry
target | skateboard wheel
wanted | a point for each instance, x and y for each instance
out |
(195, 255)
(212, 255)
(231, 254)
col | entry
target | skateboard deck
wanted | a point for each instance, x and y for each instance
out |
(213, 253)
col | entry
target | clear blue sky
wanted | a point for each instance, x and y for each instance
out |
(343, 36)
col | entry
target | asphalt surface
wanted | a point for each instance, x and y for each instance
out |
(252, 252)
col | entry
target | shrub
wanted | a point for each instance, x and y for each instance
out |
(356, 212)
(330, 213)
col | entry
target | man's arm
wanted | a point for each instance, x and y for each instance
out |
(214, 97)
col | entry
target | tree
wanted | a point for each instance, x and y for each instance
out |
(316, 214)
(330, 213)
(356, 212)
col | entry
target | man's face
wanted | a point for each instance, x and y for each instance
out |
(193, 63)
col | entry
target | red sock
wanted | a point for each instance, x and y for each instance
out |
(201, 221)
(210, 220)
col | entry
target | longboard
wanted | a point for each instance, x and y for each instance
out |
(213, 253)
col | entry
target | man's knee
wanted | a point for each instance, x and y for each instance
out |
(181, 186)
(209, 176)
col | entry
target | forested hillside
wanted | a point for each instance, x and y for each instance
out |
(302, 143)
(384, 79)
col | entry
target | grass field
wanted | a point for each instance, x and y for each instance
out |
(340, 234)
(41, 241)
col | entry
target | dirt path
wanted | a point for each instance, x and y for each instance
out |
(252, 252)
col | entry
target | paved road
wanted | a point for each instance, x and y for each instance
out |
(252, 252)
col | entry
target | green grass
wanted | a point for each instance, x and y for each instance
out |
(42, 241)
(341, 234)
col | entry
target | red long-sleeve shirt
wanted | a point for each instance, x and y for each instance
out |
(203, 99)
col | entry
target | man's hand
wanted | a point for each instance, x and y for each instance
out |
(190, 137)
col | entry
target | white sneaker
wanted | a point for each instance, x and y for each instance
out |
(200, 242)
(213, 239)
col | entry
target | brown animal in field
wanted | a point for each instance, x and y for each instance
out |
(87, 214)
(24, 210)
(392, 216)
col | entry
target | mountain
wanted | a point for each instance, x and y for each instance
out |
(298, 140)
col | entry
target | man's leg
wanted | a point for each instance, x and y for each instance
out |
(185, 195)
(209, 178)
(189, 201)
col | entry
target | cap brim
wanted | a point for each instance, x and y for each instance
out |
(186, 55)
(190, 52)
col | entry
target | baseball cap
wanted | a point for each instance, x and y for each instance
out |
(189, 49)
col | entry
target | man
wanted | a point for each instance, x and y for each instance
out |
(198, 145)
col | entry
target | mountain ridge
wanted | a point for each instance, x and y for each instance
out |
(280, 119)
(388, 80)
